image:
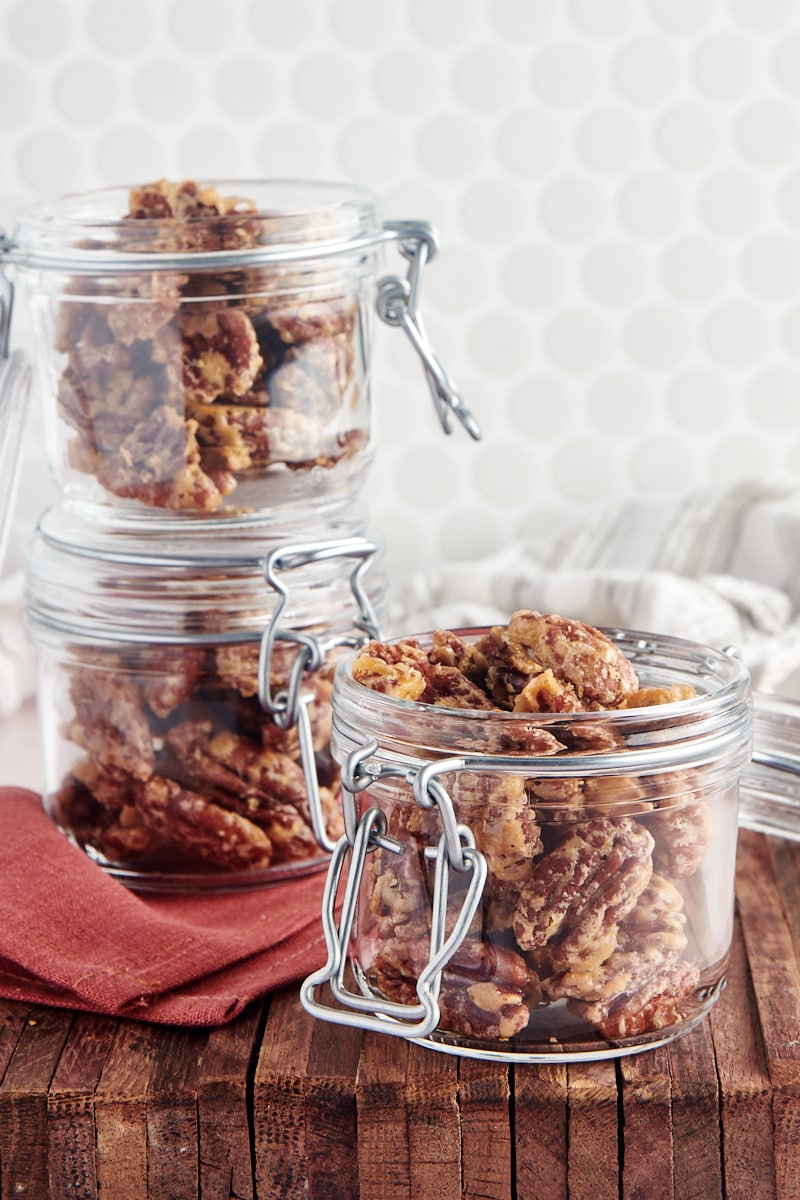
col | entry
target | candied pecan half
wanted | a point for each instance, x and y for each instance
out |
(450, 650)
(244, 435)
(578, 653)
(545, 693)
(178, 208)
(509, 666)
(266, 787)
(159, 464)
(450, 688)
(482, 991)
(401, 670)
(616, 796)
(201, 828)
(313, 378)
(154, 301)
(109, 824)
(579, 892)
(182, 201)
(650, 939)
(172, 673)
(658, 1005)
(681, 826)
(221, 356)
(110, 722)
(496, 809)
(301, 320)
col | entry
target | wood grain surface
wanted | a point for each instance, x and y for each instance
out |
(277, 1106)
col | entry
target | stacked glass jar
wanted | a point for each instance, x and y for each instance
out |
(205, 364)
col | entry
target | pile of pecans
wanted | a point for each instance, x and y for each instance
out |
(584, 915)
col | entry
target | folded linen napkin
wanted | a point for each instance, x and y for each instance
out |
(72, 936)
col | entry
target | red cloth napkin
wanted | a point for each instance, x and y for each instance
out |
(72, 936)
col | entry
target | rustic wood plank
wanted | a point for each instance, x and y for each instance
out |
(173, 1148)
(23, 1101)
(776, 983)
(695, 1116)
(71, 1142)
(330, 1112)
(120, 1113)
(226, 1166)
(487, 1136)
(540, 1130)
(592, 1138)
(786, 857)
(384, 1171)
(434, 1124)
(745, 1091)
(279, 1100)
(12, 1021)
(646, 1092)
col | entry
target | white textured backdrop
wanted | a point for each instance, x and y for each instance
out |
(616, 184)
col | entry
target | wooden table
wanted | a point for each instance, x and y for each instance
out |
(277, 1105)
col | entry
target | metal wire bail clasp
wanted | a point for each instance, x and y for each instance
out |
(368, 1009)
(289, 706)
(398, 304)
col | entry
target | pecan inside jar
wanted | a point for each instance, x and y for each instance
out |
(176, 386)
(589, 911)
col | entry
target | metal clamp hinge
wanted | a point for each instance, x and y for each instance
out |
(290, 706)
(368, 1009)
(398, 304)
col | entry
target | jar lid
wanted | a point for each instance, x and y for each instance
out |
(712, 726)
(102, 582)
(769, 793)
(15, 376)
(286, 220)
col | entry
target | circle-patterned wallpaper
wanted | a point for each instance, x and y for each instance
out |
(616, 184)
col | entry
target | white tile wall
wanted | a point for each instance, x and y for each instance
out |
(616, 184)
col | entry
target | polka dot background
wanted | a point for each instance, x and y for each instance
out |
(616, 185)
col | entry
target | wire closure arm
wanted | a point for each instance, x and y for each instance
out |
(289, 707)
(398, 305)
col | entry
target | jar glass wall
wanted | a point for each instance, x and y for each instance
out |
(167, 754)
(609, 843)
(204, 353)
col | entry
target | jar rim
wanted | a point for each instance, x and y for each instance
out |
(301, 219)
(658, 737)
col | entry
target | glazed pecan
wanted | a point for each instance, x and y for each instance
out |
(650, 939)
(496, 808)
(546, 693)
(681, 825)
(661, 1003)
(158, 463)
(509, 666)
(314, 378)
(303, 320)
(168, 675)
(482, 990)
(579, 892)
(201, 828)
(401, 670)
(578, 654)
(151, 303)
(221, 356)
(266, 787)
(241, 435)
(185, 214)
(110, 721)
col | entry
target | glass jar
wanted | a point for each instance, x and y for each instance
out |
(184, 690)
(206, 350)
(537, 887)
